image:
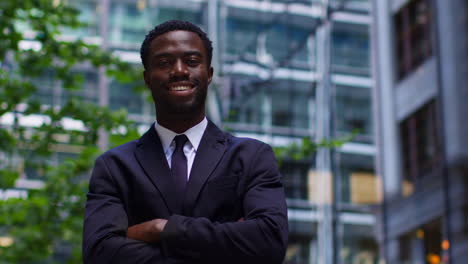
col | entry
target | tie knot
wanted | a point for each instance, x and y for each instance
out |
(180, 141)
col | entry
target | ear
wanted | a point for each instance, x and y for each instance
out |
(210, 74)
(146, 78)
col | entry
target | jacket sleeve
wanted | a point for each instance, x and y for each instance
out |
(105, 225)
(260, 238)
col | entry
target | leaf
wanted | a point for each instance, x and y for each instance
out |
(8, 178)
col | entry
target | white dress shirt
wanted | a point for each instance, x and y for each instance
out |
(194, 135)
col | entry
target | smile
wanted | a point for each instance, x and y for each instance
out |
(180, 88)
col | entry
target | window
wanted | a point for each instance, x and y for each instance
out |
(353, 112)
(246, 102)
(289, 45)
(290, 104)
(167, 13)
(359, 244)
(122, 96)
(279, 44)
(295, 181)
(241, 36)
(419, 145)
(129, 22)
(357, 183)
(350, 49)
(298, 251)
(413, 36)
(286, 106)
(423, 245)
(89, 16)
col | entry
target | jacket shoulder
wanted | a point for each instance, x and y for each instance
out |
(122, 150)
(232, 140)
(245, 142)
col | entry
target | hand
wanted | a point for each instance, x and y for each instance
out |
(149, 231)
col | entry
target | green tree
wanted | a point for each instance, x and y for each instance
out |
(307, 147)
(51, 217)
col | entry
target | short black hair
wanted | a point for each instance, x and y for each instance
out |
(173, 25)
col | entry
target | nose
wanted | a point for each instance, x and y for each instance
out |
(179, 69)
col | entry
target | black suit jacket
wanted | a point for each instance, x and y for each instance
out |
(231, 178)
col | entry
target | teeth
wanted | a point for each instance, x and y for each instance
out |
(180, 88)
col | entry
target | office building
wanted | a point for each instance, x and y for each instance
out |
(421, 73)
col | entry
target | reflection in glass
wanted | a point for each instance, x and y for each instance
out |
(350, 49)
(358, 182)
(290, 107)
(88, 16)
(122, 96)
(359, 245)
(298, 251)
(353, 112)
(241, 38)
(295, 175)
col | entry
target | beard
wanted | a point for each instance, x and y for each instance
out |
(195, 105)
(171, 106)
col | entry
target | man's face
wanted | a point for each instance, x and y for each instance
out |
(177, 73)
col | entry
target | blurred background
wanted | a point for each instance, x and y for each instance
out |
(386, 79)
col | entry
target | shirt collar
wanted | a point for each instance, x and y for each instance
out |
(194, 134)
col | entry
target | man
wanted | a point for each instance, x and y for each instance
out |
(185, 192)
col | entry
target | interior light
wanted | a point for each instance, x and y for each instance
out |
(445, 244)
(433, 258)
(420, 233)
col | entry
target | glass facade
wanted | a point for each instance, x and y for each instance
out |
(270, 64)
(122, 96)
(357, 179)
(296, 181)
(241, 40)
(353, 107)
(290, 105)
(358, 244)
(350, 49)
(89, 16)
(298, 252)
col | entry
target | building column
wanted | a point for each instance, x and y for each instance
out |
(386, 132)
(325, 227)
(103, 83)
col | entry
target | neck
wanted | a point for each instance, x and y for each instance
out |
(179, 124)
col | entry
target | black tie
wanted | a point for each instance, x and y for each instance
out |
(179, 164)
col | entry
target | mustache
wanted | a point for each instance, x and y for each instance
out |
(182, 79)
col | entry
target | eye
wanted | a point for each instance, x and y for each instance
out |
(162, 63)
(193, 61)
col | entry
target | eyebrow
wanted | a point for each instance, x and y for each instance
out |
(167, 54)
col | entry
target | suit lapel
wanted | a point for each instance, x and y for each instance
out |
(150, 155)
(211, 149)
